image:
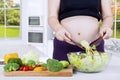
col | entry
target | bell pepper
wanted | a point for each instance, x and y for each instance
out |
(37, 69)
(10, 55)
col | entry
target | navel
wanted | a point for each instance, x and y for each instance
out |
(78, 33)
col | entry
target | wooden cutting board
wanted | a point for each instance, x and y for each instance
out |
(65, 72)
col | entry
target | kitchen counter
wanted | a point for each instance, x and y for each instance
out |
(112, 72)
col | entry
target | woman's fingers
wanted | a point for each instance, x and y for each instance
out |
(106, 33)
(102, 31)
(63, 35)
(68, 34)
(71, 42)
(66, 38)
(106, 36)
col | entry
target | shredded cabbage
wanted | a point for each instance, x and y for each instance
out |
(89, 62)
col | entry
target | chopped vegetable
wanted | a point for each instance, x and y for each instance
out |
(87, 64)
(31, 63)
(15, 60)
(10, 55)
(54, 65)
(85, 44)
(90, 61)
(11, 67)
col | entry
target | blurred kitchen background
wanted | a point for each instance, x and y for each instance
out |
(24, 26)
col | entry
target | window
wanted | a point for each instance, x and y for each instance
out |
(9, 19)
(116, 13)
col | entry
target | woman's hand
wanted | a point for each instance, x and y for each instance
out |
(63, 35)
(106, 32)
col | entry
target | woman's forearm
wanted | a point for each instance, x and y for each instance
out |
(108, 21)
(54, 23)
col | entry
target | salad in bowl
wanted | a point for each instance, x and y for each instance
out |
(90, 60)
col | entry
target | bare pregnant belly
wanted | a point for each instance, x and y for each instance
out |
(82, 28)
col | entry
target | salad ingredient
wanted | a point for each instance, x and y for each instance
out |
(37, 69)
(30, 56)
(65, 63)
(87, 64)
(44, 65)
(10, 55)
(15, 60)
(85, 44)
(54, 65)
(11, 67)
(31, 63)
(90, 60)
(21, 68)
(25, 68)
(31, 68)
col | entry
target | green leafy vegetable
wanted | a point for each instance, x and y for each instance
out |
(85, 44)
(11, 67)
(15, 60)
(31, 63)
(54, 65)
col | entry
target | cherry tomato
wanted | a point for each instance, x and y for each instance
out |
(31, 68)
(21, 68)
(26, 68)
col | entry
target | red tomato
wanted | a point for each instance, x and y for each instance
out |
(26, 68)
(21, 68)
(30, 67)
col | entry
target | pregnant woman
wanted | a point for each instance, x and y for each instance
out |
(77, 20)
